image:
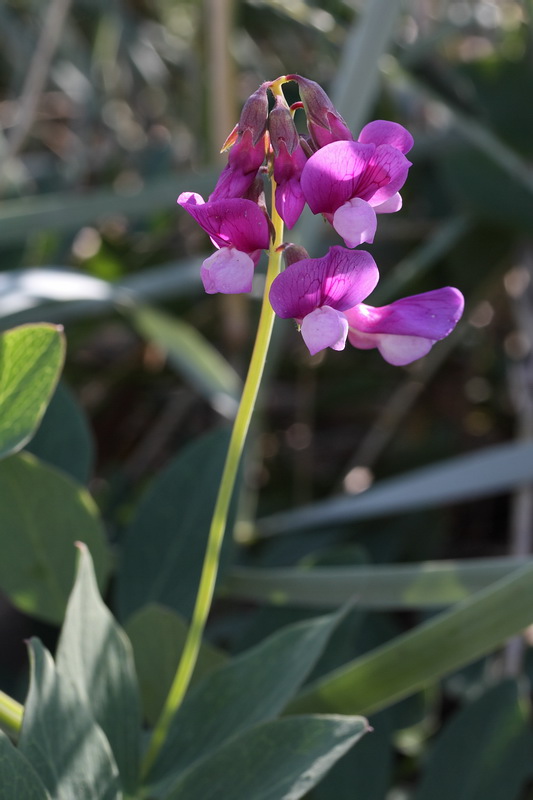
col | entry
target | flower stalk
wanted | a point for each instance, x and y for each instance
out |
(11, 714)
(241, 426)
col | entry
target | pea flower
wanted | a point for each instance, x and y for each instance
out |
(239, 229)
(408, 328)
(317, 291)
(349, 182)
(325, 297)
(324, 123)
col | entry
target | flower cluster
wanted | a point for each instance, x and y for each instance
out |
(349, 182)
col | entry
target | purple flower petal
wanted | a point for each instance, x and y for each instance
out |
(408, 328)
(290, 200)
(382, 131)
(356, 222)
(324, 327)
(340, 279)
(344, 170)
(331, 176)
(230, 223)
(432, 315)
(227, 271)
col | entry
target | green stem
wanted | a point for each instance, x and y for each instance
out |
(206, 587)
(11, 714)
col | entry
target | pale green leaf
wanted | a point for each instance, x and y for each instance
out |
(279, 760)
(164, 546)
(251, 688)
(431, 584)
(96, 656)
(492, 470)
(42, 514)
(60, 738)
(157, 635)
(428, 652)
(18, 779)
(31, 359)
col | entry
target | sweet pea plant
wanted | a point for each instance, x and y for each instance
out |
(79, 734)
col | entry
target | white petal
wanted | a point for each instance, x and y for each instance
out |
(324, 327)
(356, 222)
(228, 271)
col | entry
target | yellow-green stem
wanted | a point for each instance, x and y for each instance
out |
(241, 425)
(11, 714)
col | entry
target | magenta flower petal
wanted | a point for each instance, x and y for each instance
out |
(227, 271)
(431, 314)
(382, 131)
(406, 329)
(324, 327)
(356, 222)
(290, 200)
(340, 279)
(344, 170)
(331, 176)
(230, 223)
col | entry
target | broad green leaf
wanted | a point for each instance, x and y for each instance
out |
(364, 771)
(193, 356)
(18, 779)
(63, 438)
(486, 472)
(427, 585)
(424, 655)
(60, 738)
(164, 548)
(483, 753)
(250, 689)
(31, 359)
(42, 514)
(157, 635)
(96, 656)
(279, 760)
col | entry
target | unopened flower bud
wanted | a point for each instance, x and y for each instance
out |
(293, 253)
(254, 114)
(324, 122)
(282, 128)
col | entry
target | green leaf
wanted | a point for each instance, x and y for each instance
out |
(42, 514)
(17, 776)
(367, 767)
(96, 656)
(164, 547)
(63, 438)
(250, 689)
(430, 584)
(279, 760)
(424, 655)
(484, 753)
(157, 635)
(31, 359)
(486, 472)
(60, 738)
(193, 356)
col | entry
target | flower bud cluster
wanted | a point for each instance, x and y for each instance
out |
(349, 182)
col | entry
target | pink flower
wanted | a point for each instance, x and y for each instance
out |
(239, 228)
(325, 297)
(408, 328)
(317, 291)
(349, 182)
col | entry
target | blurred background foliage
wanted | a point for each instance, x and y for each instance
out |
(110, 108)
